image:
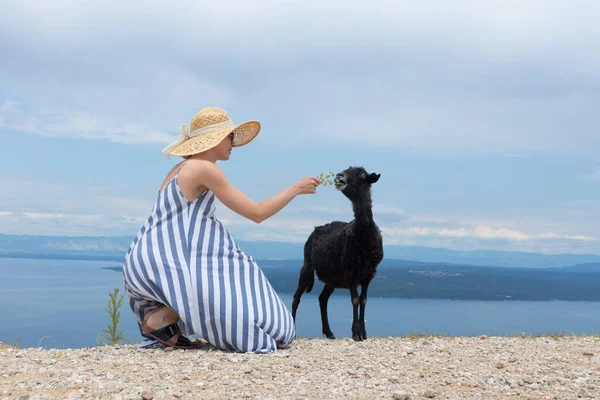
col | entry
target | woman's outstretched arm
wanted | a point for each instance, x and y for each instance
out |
(210, 175)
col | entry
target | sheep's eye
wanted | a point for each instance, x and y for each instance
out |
(363, 175)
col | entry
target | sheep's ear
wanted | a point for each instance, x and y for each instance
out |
(373, 178)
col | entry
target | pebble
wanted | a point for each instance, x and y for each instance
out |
(465, 368)
(401, 395)
(147, 395)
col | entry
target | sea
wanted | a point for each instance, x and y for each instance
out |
(60, 304)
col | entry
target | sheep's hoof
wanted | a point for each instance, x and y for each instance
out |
(359, 336)
(329, 335)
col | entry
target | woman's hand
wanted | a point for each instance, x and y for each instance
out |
(307, 185)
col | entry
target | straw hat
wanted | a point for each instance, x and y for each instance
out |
(208, 128)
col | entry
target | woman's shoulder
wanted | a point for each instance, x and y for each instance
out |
(196, 162)
(202, 173)
(195, 166)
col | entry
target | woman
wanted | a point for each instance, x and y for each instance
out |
(184, 272)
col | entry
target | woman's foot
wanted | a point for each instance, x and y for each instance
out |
(159, 318)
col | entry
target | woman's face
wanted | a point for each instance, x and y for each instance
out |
(224, 148)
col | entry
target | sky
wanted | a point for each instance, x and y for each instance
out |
(481, 117)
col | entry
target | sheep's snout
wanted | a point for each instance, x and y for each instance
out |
(340, 181)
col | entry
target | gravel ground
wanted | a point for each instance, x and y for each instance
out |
(379, 368)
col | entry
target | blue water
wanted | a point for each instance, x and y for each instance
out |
(59, 303)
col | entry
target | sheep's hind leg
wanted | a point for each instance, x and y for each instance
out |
(356, 329)
(323, 299)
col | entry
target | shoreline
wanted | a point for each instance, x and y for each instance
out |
(417, 367)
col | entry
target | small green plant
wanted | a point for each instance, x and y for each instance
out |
(423, 335)
(553, 335)
(325, 179)
(11, 346)
(41, 340)
(557, 335)
(112, 333)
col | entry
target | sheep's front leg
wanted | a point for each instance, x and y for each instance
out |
(356, 331)
(363, 305)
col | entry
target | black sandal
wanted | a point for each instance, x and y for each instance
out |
(162, 335)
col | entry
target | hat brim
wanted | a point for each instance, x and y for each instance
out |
(243, 134)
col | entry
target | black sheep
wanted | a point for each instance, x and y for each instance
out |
(344, 254)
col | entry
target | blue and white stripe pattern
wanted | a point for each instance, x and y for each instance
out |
(185, 258)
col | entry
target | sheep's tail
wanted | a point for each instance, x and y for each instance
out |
(307, 273)
(309, 277)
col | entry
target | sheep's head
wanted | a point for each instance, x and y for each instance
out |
(355, 181)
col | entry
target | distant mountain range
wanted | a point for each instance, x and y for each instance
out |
(114, 248)
(426, 280)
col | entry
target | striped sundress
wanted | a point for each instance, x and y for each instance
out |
(185, 258)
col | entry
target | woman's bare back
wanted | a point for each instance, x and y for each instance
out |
(187, 185)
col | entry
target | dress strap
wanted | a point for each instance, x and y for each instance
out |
(174, 177)
(180, 166)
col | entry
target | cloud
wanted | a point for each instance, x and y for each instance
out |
(471, 77)
(23, 196)
(52, 224)
(492, 26)
(469, 125)
(322, 214)
(74, 124)
(95, 210)
(69, 209)
(468, 77)
(595, 176)
(581, 238)
(386, 210)
(479, 232)
(295, 224)
(294, 229)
